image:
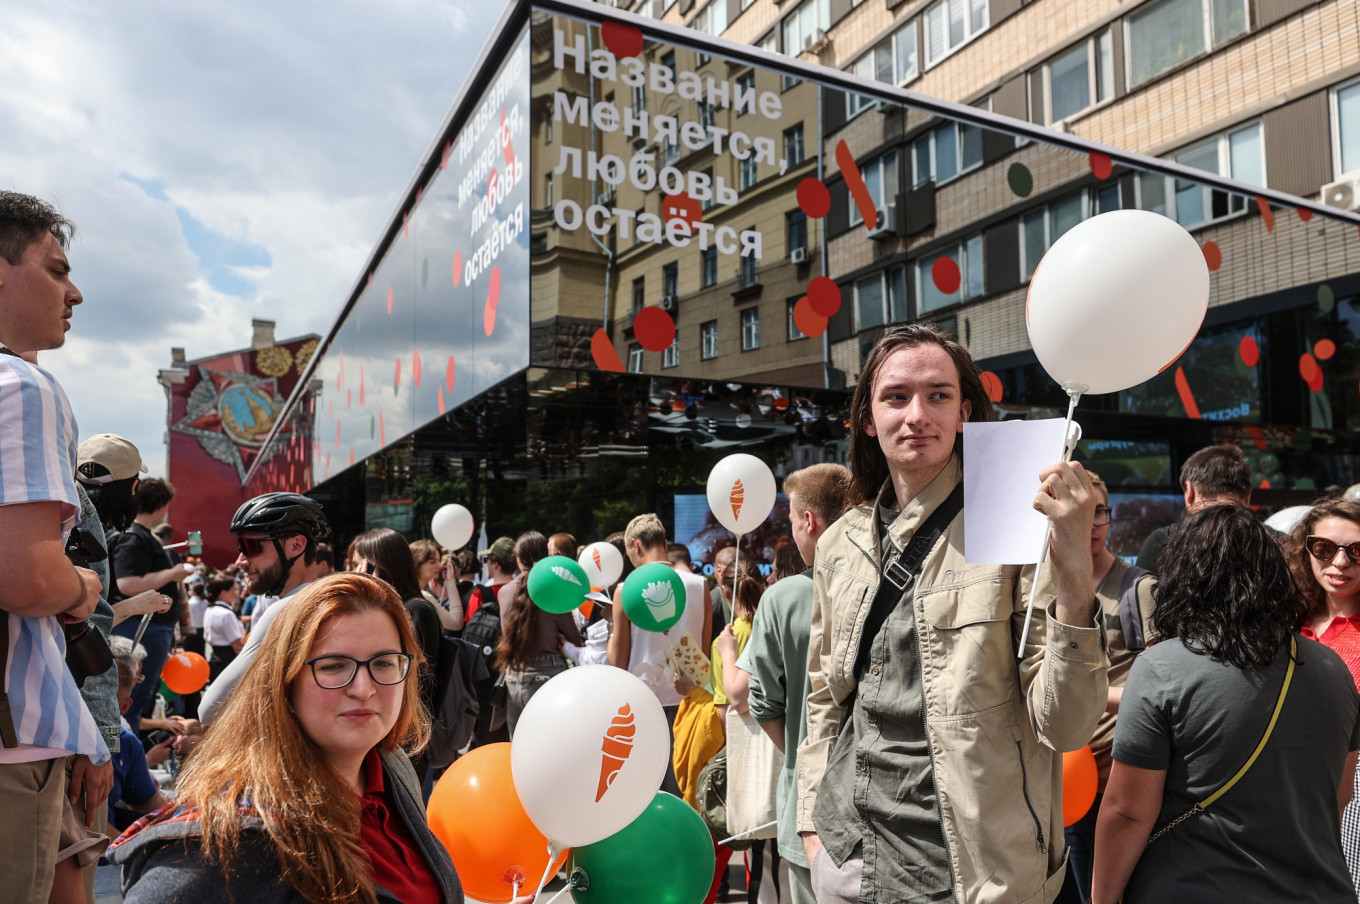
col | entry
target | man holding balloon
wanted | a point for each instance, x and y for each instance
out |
(929, 771)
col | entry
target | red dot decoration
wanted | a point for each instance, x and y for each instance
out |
(682, 207)
(441, 400)
(806, 318)
(389, 299)
(781, 404)
(493, 298)
(677, 405)
(337, 434)
(814, 199)
(1304, 213)
(492, 179)
(824, 296)
(1267, 215)
(1213, 256)
(457, 268)
(415, 368)
(602, 350)
(946, 276)
(396, 379)
(1101, 165)
(991, 384)
(622, 40)
(654, 328)
(1258, 438)
(1249, 350)
(1324, 349)
(449, 374)
(1309, 370)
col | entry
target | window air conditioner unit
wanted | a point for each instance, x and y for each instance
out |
(668, 302)
(886, 224)
(1344, 194)
(798, 255)
(814, 39)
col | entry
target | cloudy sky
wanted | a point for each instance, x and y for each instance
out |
(222, 161)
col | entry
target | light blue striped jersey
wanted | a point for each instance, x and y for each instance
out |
(37, 464)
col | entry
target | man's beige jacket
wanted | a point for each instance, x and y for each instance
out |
(994, 723)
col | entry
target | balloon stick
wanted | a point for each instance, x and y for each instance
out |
(573, 881)
(749, 832)
(553, 851)
(1069, 446)
(735, 560)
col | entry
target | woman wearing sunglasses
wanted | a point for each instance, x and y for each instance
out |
(302, 789)
(1234, 751)
(1324, 553)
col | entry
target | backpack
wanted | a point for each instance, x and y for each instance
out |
(454, 724)
(1130, 613)
(483, 630)
(710, 797)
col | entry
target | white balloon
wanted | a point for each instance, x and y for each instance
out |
(589, 753)
(1286, 519)
(741, 492)
(451, 526)
(1116, 300)
(603, 563)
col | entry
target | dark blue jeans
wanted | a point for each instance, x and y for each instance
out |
(1081, 847)
(157, 641)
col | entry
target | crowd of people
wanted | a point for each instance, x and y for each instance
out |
(910, 751)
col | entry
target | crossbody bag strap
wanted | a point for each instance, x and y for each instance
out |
(1270, 727)
(7, 735)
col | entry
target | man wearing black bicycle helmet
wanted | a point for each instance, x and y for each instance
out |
(277, 536)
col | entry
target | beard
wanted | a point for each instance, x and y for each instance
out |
(265, 578)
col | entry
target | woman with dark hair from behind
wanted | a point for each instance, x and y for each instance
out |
(788, 561)
(530, 650)
(1322, 552)
(1197, 704)
(385, 554)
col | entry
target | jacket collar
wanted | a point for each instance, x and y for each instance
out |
(862, 529)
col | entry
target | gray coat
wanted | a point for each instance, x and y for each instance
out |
(163, 863)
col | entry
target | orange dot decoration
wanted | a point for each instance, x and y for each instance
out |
(1310, 371)
(389, 299)
(450, 372)
(1080, 780)
(185, 673)
(622, 40)
(1323, 349)
(1304, 214)
(813, 198)
(1101, 165)
(654, 328)
(1213, 256)
(457, 268)
(824, 296)
(806, 318)
(1249, 350)
(415, 367)
(603, 352)
(991, 384)
(493, 298)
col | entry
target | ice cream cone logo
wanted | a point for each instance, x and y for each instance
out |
(738, 494)
(616, 746)
(599, 562)
(565, 575)
(660, 598)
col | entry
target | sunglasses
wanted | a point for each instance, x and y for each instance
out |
(250, 547)
(1324, 550)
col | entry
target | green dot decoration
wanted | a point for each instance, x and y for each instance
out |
(1020, 179)
(1326, 298)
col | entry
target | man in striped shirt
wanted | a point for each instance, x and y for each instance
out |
(44, 724)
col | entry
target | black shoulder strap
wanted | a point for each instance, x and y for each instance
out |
(7, 735)
(899, 569)
(1130, 613)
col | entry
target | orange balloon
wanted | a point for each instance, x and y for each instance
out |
(185, 673)
(1080, 779)
(476, 813)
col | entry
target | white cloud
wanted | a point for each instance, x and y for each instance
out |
(292, 127)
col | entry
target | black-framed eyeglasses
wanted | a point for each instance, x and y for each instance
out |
(1324, 550)
(250, 547)
(335, 672)
(370, 568)
(1103, 515)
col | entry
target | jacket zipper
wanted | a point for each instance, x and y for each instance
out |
(1024, 787)
(930, 747)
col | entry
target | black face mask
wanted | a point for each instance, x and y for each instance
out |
(114, 504)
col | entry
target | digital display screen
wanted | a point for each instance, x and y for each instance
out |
(696, 527)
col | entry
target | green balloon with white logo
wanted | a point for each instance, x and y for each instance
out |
(654, 597)
(557, 584)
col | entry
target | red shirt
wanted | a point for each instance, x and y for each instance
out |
(1343, 636)
(397, 863)
(475, 599)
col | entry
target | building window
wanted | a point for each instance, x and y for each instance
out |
(967, 256)
(794, 333)
(670, 152)
(946, 153)
(548, 191)
(670, 279)
(708, 201)
(747, 176)
(639, 99)
(795, 227)
(880, 177)
(706, 116)
(746, 83)
(893, 62)
(1346, 128)
(750, 329)
(793, 145)
(802, 28)
(708, 339)
(639, 294)
(1079, 78)
(635, 359)
(671, 356)
(1238, 154)
(881, 298)
(950, 24)
(1041, 228)
(748, 272)
(712, 20)
(1168, 33)
(668, 60)
(708, 267)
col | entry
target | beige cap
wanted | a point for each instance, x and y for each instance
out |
(117, 456)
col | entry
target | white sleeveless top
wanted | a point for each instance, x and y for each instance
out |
(647, 658)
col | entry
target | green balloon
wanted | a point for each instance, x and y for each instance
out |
(654, 597)
(169, 695)
(665, 856)
(557, 584)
